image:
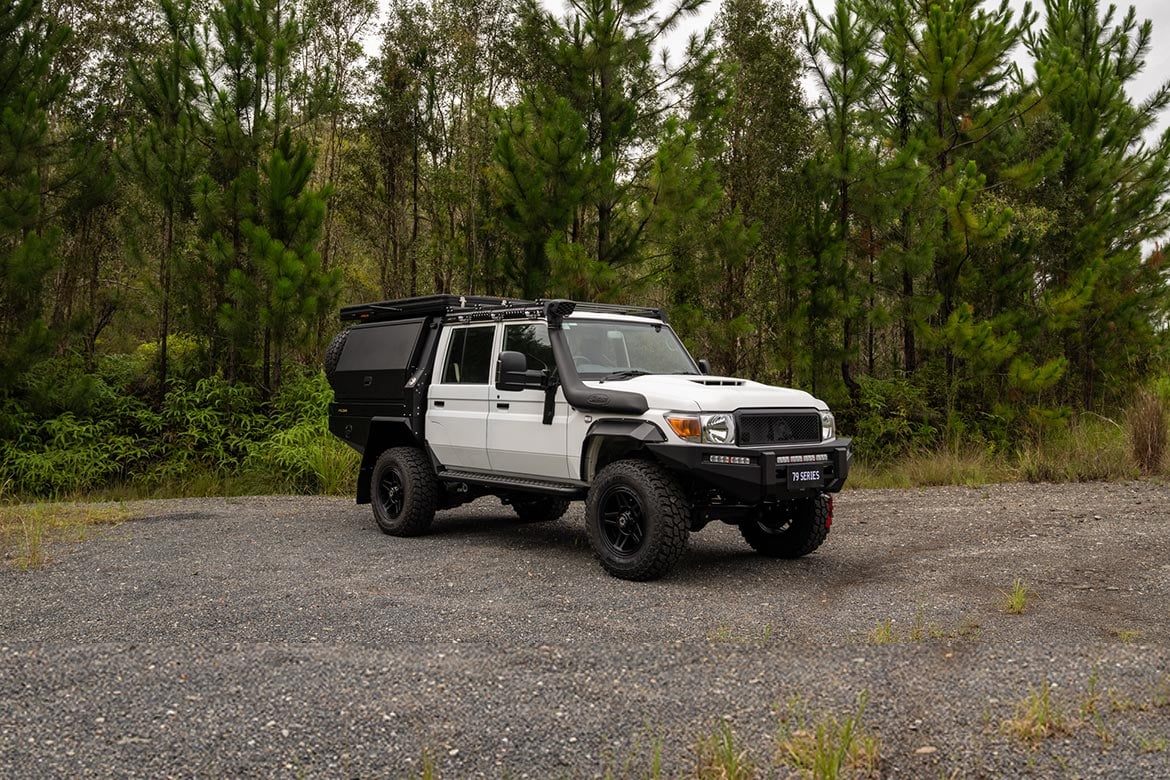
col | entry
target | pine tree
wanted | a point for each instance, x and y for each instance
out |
(599, 60)
(1109, 195)
(537, 183)
(245, 83)
(28, 243)
(291, 287)
(767, 131)
(839, 48)
(161, 152)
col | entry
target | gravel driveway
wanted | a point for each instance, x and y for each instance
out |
(288, 637)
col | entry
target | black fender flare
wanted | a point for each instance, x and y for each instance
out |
(635, 432)
(385, 432)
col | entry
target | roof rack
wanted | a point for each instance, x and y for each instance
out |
(480, 307)
(405, 308)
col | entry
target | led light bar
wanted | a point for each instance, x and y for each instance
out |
(730, 460)
(814, 458)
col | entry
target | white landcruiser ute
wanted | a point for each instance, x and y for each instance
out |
(540, 403)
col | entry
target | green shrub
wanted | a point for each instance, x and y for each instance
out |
(891, 419)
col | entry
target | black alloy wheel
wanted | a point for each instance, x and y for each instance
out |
(623, 522)
(390, 493)
(405, 491)
(638, 519)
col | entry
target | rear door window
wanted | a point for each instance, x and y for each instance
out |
(469, 356)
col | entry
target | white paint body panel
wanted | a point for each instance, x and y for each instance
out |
(518, 442)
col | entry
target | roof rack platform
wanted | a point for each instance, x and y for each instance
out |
(473, 307)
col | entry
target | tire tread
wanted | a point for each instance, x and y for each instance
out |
(421, 488)
(666, 497)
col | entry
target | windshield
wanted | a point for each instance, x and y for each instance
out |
(604, 349)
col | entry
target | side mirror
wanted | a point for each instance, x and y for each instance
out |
(705, 365)
(512, 372)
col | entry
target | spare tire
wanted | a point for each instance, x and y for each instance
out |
(333, 354)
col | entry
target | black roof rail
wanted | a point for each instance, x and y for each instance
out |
(475, 307)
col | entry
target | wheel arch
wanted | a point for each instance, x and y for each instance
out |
(609, 440)
(385, 432)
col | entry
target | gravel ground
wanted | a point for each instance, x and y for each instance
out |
(287, 636)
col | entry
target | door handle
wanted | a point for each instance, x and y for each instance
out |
(501, 405)
(367, 381)
(440, 403)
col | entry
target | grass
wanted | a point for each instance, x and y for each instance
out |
(828, 747)
(886, 633)
(883, 633)
(27, 531)
(725, 635)
(1015, 601)
(1089, 448)
(1037, 717)
(967, 467)
(719, 757)
(1146, 421)
(1152, 743)
(1129, 636)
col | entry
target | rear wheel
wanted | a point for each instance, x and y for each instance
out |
(405, 493)
(638, 519)
(539, 509)
(790, 529)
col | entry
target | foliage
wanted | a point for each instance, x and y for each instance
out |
(29, 40)
(90, 431)
(956, 251)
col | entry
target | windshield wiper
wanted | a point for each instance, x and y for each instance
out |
(626, 373)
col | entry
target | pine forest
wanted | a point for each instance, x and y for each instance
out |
(943, 217)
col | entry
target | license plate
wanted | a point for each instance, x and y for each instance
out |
(805, 476)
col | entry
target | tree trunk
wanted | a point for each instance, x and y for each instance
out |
(164, 325)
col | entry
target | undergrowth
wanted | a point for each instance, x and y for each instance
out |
(89, 435)
(99, 434)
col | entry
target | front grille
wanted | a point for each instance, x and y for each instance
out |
(778, 428)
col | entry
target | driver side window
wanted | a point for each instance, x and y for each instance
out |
(531, 339)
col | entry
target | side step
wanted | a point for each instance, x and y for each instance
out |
(515, 482)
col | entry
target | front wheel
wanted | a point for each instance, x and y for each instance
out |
(405, 491)
(790, 529)
(638, 519)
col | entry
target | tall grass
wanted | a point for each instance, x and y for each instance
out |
(1146, 421)
(828, 747)
(1089, 448)
(29, 531)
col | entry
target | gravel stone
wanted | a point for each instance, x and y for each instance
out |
(286, 636)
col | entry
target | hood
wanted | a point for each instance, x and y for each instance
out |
(709, 393)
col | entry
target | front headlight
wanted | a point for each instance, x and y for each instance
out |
(718, 428)
(828, 426)
(710, 428)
